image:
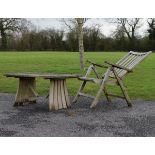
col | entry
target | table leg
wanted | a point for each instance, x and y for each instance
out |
(58, 94)
(26, 91)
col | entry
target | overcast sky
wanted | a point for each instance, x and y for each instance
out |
(106, 28)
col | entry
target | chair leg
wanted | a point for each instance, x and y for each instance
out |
(124, 91)
(106, 94)
(80, 89)
(95, 101)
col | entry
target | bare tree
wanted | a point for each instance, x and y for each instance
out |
(80, 22)
(151, 29)
(129, 26)
(151, 22)
(77, 24)
(8, 25)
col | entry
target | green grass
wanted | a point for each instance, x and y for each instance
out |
(141, 83)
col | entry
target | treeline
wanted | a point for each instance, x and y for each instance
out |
(59, 40)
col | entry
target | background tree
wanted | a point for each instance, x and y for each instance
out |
(93, 38)
(151, 32)
(8, 25)
(56, 39)
(120, 38)
(77, 24)
(72, 40)
(31, 38)
(129, 26)
(80, 22)
(151, 29)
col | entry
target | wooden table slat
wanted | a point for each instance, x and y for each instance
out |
(43, 75)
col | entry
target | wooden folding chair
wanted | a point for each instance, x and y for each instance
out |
(114, 75)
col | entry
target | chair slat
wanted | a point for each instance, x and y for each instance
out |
(129, 61)
(131, 65)
(125, 61)
(124, 58)
(121, 72)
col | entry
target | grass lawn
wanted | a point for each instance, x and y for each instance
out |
(141, 83)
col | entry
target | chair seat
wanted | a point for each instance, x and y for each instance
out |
(95, 80)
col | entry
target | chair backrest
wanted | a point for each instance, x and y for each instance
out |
(130, 61)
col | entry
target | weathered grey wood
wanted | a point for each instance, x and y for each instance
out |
(33, 90)
(51, 94)
(83, 83)
(55, 95)
(43, 75)
(58, 95)
(63, 95)
(94, 80)
(59, 91)
(89, 70)
(114, 75)
(129, 61)
(98, 65)
(106, 94)
(126, 64)
(118, 66)
(79, 91)
(86, 95)
(124, 60)
(123, 89)
(95, 71)
(26, 91)
(66, 94)
(114, 95)
(95, 101)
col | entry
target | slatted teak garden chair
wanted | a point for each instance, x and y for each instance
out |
(114, 74)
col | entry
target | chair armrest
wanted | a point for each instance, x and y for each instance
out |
(98, 65)
(118, 66)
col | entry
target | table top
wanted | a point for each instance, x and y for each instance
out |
(43, 75)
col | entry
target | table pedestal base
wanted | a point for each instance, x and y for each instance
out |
(26, 91)
(58, 94)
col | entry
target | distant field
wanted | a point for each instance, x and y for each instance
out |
(140, 84)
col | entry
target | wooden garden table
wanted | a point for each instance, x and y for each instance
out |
(58, 93)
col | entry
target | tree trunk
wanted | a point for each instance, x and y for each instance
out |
(4, 40)
(80, 22)
(132, 41)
